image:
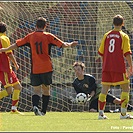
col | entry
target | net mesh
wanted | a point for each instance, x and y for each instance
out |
(82, 21)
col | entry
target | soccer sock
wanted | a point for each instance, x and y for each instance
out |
(3, 94)
(35, 100)
(101, 103)
(124, 102)
(45, 101)
(15, 99)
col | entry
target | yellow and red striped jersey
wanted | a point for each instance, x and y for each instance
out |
(4, 59)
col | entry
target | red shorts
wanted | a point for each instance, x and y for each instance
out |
(114, 78)
(8, 79)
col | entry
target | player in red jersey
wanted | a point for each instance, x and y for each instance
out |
(7, 76)
(115, 50)
(40, 43)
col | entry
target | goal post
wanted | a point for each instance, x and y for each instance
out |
(83, 21)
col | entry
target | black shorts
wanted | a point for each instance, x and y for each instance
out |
(109, 99)
(39, 79)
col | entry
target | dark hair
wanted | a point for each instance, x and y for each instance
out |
(81, 64)
(118, 20)
(41, 22)
(2, 27)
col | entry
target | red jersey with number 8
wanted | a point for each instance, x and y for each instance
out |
(113, 48)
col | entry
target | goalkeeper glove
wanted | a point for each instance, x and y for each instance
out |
(89, 98)
(73, 100)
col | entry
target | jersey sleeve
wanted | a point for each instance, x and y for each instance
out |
(92, 85)
(55, 40)
(101, 48)
(22, 41)
(6, 43)
(126, 45)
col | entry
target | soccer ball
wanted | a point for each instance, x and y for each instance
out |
(81, 98)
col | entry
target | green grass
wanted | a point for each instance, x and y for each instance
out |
(64, 121)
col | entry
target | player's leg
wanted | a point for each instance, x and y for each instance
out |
(93, 106)
(47, 80)
(36, 99)
(5, 92)
(124, 101)
(130, 107)
(114, 100)
(14, 84)
(15, 98)
(45, 98)
(4, 81)
(106, 82)
(17, 89)
(36, 83)
(102, 101)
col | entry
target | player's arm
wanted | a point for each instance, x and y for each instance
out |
(128, 54)
(129, 60)
(58, 42)
(76, 88)
(71, 44)
(11, 47)
(13, 59)
(92, 88)
(92, 93)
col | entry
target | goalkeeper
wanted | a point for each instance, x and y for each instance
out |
(86, 83)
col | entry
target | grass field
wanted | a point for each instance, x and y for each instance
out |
(64, 121)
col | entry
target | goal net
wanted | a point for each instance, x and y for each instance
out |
(82, 21)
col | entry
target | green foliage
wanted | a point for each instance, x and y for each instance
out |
(64, 121)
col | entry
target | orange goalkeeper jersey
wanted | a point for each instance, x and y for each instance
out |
(40, 43)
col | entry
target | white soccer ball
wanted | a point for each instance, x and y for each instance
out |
(81, 98)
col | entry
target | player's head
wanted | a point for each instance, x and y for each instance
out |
(41, 23)
(118, 20)
(2, 27)
(81, 64)
(79, 68)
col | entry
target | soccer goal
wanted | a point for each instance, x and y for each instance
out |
(83, 21)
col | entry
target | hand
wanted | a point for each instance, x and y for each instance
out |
(17, 66)
(89, 98)
(73, 100)
(74, 43)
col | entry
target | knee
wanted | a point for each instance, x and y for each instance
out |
(18, 87)
(46, 90)
(9, 90)
(37, 91)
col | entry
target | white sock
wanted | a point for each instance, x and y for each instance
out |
(101, 112)
(14, 108)
(123, 110)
